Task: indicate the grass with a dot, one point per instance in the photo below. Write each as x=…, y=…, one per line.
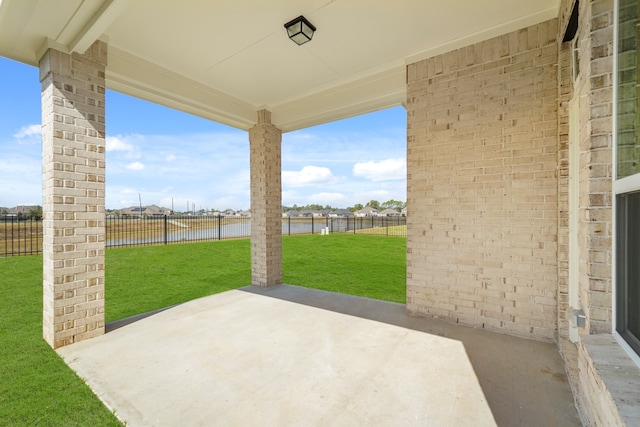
x=142, y=279
x=36, y=386
x=364, y=265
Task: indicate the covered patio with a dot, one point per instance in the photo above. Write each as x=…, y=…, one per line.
x=286, y=356
x=512, y=184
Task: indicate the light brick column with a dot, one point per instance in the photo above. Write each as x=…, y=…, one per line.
x=73, y=167
x=266, y=202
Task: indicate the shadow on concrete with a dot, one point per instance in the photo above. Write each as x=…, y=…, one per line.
x=117, y=324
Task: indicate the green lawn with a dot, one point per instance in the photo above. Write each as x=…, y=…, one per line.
x=37, y=388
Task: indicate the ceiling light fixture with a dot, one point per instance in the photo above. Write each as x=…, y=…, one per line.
x=300, y=30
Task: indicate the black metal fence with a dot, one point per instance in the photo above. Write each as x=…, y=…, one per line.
x=138, y=231
x=380, y=226
x=24, y=237
x=20, y=236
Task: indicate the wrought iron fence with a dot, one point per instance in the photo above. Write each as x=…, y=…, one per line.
x=20, y=236
x=24, y=237
x=138, y=231
x=380, y=226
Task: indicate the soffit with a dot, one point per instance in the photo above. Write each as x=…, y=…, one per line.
x=226, y=59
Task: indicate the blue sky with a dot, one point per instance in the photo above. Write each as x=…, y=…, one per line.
x=168, y=156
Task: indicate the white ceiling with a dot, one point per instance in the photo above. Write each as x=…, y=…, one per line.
x=226, y=59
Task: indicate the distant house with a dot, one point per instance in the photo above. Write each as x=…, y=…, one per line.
x=389, y=212
x=366, y=211
x=341, y=212
x=146, y=211
x=5, y=214
x=312, y=213
x=20, y=211
x=244, y=213
x=290, y=213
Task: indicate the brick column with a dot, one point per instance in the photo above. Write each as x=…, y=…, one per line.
x=73, y=166
x=266, y=202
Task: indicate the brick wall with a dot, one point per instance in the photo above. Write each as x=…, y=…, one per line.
x=73, y=147
x=565, y=93
x=595, y=89
x=607, y=383
x=266, y=202
x=482, y=155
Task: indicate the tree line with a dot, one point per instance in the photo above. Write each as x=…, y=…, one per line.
x=389, y=204
x=34, y=212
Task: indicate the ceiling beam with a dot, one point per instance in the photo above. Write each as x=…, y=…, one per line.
x=90, y=27
x=375, y=92
x=136, y=77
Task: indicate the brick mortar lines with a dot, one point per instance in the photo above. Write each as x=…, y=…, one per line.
x=266, y=186
x=446, y=296
x=73, y=153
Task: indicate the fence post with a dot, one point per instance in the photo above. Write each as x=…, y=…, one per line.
x=31, y=236
x=165, y=230
x=312, y=224
x=219, y=227
x=12, y=236
x=289, y=221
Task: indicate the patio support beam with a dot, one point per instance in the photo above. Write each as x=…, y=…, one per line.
x=73, y=168
x=266, y=202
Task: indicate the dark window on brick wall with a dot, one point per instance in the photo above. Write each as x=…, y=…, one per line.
x=628, y=269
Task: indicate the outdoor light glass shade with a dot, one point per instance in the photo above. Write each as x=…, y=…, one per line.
x=300, y=30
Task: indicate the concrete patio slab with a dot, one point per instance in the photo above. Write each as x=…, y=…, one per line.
x=287, y=356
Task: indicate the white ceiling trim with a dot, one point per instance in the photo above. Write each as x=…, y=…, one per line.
x=137, y=77
x=87, y=25
x=490, y=33
x=97, y=24
x=382, y=90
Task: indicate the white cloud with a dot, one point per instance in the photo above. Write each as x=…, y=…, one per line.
x=309, y=175
x=114, y=143
x=170, y=157
x=135, y=166
x=381, y=171
x=28, y=131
